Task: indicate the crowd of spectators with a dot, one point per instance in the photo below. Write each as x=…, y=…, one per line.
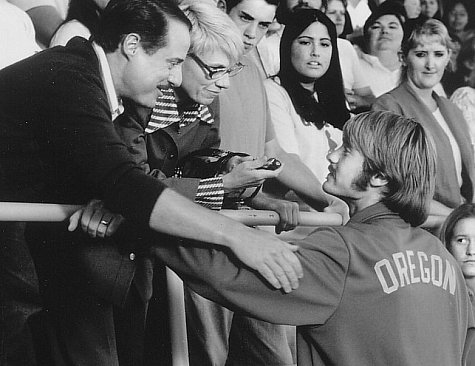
x=117, y=116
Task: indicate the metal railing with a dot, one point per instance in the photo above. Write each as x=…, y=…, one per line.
x=46, y=212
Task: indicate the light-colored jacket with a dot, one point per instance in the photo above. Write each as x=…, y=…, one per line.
x=404, y=100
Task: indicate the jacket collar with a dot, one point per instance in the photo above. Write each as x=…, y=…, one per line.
x=374, y=212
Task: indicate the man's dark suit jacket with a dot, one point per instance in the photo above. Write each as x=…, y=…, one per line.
x=58, y=144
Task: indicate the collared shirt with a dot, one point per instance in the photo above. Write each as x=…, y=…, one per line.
x=115, y=104
x=210, y=192
x=165, y=113
x=382, y=80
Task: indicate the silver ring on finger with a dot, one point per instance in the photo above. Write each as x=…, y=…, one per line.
x=105, y=222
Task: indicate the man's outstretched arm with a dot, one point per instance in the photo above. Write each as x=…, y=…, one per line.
x=274, y=259
x=175, y=215
x=218, y=276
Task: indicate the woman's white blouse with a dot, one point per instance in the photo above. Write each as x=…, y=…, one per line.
x=300, y=137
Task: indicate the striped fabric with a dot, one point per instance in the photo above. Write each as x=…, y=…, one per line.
x=210, y=193
x=165, y=113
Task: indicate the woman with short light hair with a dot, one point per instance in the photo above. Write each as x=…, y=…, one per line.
x=425, y=55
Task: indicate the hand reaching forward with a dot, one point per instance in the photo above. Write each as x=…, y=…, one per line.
x=95, y=220
x=246, y=174
x=274, y=259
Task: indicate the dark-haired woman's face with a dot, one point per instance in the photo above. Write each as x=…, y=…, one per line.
x=429, y=8
x=311, y=51
x=386, y=33
x=336, y=12
x=458, y=17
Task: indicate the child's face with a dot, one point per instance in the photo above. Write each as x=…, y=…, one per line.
x=462, y=245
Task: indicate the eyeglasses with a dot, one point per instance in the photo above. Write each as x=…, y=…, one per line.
x=218, y=73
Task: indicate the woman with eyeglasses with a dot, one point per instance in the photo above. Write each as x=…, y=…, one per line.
x=306, y=99
x=158, y=139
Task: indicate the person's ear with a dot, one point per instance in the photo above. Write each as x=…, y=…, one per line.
x=378, y=180
x=130, y=44
x=402, y=59
x=222, y=5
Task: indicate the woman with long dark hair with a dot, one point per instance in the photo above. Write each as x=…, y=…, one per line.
x=306, y=99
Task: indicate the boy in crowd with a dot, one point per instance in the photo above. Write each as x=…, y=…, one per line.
x=367, y=285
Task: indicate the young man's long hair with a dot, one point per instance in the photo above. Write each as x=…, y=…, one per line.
x=399, y=150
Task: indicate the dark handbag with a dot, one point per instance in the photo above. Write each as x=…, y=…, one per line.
x=209, y=163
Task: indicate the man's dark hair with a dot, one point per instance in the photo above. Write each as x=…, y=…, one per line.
x=148, y=18
x=232, y=3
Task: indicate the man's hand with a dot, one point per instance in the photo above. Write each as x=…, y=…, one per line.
x=246, y=174
x=95, y=220
x=274, y=259
x=288, y=211
x=289, y=215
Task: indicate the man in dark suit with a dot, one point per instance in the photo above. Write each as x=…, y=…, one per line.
x=58, y=144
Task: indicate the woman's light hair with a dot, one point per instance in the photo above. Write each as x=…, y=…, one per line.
x=400, y=150
x=212, y=30
x=429, y=31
